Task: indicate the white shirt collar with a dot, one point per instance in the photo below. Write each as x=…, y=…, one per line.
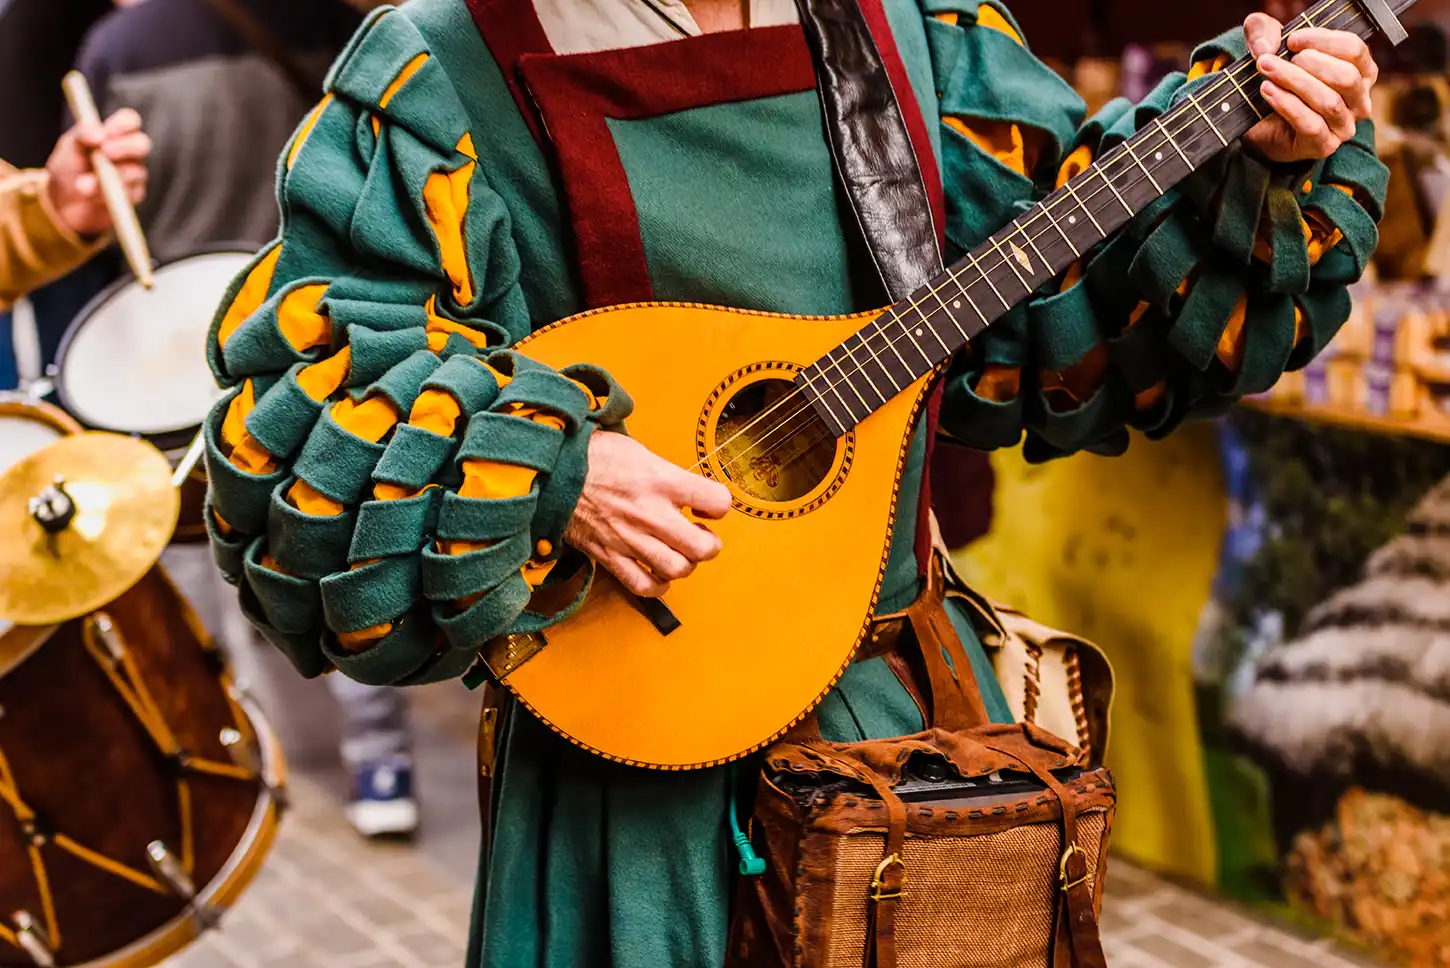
x=581, y=26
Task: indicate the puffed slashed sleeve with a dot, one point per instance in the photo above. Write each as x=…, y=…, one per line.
x=389, y=482
x=1208, y=295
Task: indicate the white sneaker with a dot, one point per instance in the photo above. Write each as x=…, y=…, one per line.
x=382, y=803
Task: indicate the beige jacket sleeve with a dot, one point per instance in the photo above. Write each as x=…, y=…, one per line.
x=34, y=247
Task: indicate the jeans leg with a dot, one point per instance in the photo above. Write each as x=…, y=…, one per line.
x=374, y=721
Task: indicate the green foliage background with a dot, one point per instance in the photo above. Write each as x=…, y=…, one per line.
x=1333, y=496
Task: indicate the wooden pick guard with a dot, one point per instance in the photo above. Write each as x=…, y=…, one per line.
x=770, y=625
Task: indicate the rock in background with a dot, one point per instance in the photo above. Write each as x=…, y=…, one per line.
x=1351, y=719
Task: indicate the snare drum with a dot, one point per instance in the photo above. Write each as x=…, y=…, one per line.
x=134, y=362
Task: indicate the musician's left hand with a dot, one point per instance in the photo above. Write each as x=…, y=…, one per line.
x=1317, y=97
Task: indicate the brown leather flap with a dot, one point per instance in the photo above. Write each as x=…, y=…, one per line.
x=1068, y=664
x=978, y=752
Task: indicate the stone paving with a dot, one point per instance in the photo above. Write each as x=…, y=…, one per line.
x=326, y=899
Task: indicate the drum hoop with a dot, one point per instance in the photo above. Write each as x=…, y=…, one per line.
x=165, y=439
x=240, y=868
x=20, y=642
x=20, y=405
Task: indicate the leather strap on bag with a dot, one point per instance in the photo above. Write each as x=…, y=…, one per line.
x=956, y=702
x=488, y=724
x=1077, y=942
x=889, y=881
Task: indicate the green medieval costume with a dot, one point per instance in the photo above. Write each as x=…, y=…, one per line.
x=461, y=185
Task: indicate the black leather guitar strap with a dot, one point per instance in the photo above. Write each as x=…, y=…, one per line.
x=878, y=168
x=870, y=144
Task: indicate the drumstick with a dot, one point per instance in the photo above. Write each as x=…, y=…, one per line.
x=123, y=216
x=193, y=454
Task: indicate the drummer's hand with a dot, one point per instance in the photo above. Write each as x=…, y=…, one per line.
x=629, y=515
x=75, y=192
x=1317, y=97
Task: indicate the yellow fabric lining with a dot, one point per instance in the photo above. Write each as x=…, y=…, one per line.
x=250, y=297
x=234, y=431
x=321, y=380
x=1075, y=164
x=371, y=420
x=300, y=322
x=1019, y=150
x=999, y=383
x=445, y=201
x=1230, y=344
x=438, y=411
x=439, y=325
x=407, y=72
x=318, y=381
x=362, y=638
x=1205, y=67
x=1000, y=139
x=306, y=130
x=989, y=17
x=1319, y=235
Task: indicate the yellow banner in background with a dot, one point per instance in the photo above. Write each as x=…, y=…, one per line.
x=1123, y=551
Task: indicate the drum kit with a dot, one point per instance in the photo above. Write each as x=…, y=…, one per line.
x=140, y=788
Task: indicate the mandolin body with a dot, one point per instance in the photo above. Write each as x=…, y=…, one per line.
x=768, y=627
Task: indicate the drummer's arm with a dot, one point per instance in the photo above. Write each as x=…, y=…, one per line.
x=35, y=245
x=53, y=219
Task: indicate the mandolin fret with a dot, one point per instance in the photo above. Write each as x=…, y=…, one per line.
x=919, y=333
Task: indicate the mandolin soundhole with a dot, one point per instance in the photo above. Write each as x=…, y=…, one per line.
x=772, y=449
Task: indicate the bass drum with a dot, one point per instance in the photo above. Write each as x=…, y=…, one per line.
x=139, y=789
x=134, y=362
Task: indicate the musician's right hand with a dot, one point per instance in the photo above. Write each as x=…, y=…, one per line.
x=75, y=192
x=629, y=516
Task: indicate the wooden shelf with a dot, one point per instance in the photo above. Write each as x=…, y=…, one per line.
x=1436, y=431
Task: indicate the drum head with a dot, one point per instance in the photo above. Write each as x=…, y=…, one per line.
x=134, y=361
x=27, y=426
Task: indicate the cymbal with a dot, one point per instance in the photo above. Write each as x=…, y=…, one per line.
x=105, y=526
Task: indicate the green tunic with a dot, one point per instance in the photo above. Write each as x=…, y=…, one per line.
x=596, y=864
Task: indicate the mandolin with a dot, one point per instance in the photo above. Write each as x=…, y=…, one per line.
x=807, y=421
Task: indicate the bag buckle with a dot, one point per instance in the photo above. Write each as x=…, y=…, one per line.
x=1063, y=876
x=878, y=879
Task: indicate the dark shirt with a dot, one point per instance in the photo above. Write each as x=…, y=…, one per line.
x=218, y=112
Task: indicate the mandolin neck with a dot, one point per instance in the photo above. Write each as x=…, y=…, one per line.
x=916, y=335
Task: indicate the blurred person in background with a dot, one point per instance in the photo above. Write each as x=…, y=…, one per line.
x=222, y=85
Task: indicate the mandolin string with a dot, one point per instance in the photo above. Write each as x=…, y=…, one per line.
x=1228, y=79
x=786, y=434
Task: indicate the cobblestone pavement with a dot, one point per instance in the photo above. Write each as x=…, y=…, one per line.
x=326, y=899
